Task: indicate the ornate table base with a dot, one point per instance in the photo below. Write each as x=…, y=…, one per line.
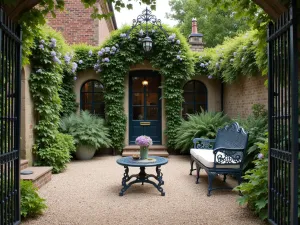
x=142, y=177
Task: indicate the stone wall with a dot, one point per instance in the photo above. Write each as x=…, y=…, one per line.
x=243, y=93
x=27, y=118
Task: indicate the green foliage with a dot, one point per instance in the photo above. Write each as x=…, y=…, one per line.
x=257, y=126
x=259, y=110
x=86, y=129
x=58, y=154
x=204, y=125
x=235, y=57
x=31, y=203
x=45, y=80
x=255, y=187
x=67, y=95
x=214, y=22
x=164, y=56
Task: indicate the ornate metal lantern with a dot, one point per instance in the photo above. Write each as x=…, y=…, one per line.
x=149, y=22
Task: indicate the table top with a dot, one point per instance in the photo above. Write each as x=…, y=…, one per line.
x=129, y=161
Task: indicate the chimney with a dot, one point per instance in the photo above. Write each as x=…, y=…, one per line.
x=194, y=26
x=195, y=38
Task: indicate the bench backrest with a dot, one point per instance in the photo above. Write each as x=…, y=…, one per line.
x=231, y=136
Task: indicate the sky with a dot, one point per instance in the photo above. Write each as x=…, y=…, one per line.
x=126, y=16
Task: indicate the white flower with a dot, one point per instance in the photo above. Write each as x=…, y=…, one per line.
x=90, y=53
x=243, y=59
x=178, y=42
x=141, y=32
x=200, y=57
x=80, y=61
x=244, y=47
x=234, y=54
x=39, y=71
x=231, y=60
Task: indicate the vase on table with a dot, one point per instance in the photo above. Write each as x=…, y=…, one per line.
x=144, y=152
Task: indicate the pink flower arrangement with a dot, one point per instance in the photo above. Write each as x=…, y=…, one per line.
x=143, y=140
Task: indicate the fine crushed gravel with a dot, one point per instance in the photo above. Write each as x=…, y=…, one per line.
x=88, y=193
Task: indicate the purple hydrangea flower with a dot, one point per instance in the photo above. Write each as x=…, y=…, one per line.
x=42, y=41
x=112, y=52
x=178, y=57
x=143, y=141
x=67, y=59
x=53, y=43
x=80, y=61
x=56, y=60
x=90, y=53
x=179, y=52
x=178, y=42
x=117, y=45
x=105, y=60
x=210, y=77
x=96, y=66
x=123, y=35
x=74, y=67
x=234, y=54
x=113, y=48
x=75, y=78
x=41, y=47
x=202, y=64
x=53, y=53
x=39, y=71
x=100, y=53
x=260, y=156
x=107, y=49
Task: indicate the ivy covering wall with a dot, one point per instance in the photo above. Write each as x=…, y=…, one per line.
x=171, y=55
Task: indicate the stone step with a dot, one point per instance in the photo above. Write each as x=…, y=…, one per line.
x=154, y=153
x=152, y=147
x=23, y=164
x=41, y=175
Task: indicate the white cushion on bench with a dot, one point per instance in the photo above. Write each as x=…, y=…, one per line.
x=206, y=157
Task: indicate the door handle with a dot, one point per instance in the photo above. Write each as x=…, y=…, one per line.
x=145, y=123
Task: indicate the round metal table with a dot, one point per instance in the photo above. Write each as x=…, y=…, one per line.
x=142, y=176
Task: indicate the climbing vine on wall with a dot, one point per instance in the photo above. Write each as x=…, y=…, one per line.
x=171, y=55
x=47, y=63
x=235, y=57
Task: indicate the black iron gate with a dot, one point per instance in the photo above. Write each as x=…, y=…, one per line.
x=10, y=69
x=283, y=119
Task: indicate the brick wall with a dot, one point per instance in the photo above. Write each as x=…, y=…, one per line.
x=243, y=93
x=76, y=24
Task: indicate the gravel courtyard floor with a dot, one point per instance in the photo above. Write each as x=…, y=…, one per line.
x=88, y=193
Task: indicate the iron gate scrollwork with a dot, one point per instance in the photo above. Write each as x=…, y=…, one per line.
x=10, y=69
x=283, y=119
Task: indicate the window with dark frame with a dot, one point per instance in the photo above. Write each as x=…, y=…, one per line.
x=92, y=97
x=195, y=98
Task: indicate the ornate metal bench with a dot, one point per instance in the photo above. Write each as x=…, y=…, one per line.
x=223, y=155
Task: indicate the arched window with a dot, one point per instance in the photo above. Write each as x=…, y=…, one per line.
x=195, y=97
x=92, y=97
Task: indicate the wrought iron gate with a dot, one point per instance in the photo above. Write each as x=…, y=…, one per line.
x=283, y=119
x=10, y=69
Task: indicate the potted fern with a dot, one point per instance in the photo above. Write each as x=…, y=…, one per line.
x=88, y=131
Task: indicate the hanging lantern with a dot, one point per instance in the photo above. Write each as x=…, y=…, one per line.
x=147, y=44
x=145, y=83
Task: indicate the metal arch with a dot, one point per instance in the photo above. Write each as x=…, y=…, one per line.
x=146, y=17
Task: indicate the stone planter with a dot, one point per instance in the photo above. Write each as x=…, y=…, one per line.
x=84, y=152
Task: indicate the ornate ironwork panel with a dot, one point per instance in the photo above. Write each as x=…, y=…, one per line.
x=283, y=119
x=10, y=69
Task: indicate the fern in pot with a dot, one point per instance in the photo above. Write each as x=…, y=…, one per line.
x=88, y=131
